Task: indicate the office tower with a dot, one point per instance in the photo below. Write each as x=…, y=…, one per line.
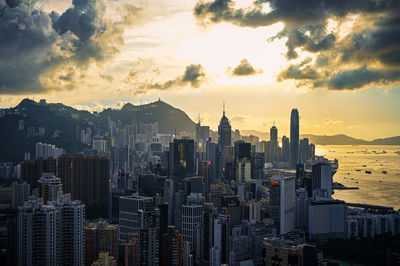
x=192, y=222
x=187, y=257
x=327, y=219
x=228, y=173
x=194, y=184
x=50, y=186
x=294, y=137
x=241, y=247
x=209, y=214
x=282, y=203
x=300, y=173
x=302, y=203
x=148, y=221
x=322, y=176
x=257, y=232
x=205, y=172
x=51, y=234
x=105, y=260
x=274, y=144
x=86, y=178
x=215, y=257
x=257, y=165
x=128, y=213
x=19, y=194
x=242, y=150
x=169, y=199
x=181, y=160
x=180, y=200
x=243, y=171
x=224, y=132
x=304, y=150
x=221, y=236
x=287, y=252
x=194, y=199
x=171, y=247
x=285, y=149
x=31, y=171
x=254, y=211
x=100, y=237
x=212, y=160
x=311, y=151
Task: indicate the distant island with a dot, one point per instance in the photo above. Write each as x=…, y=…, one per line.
x=339, y=139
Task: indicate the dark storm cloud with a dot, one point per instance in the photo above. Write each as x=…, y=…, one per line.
x=194, y=76
x=245, y=69
x=42, y=51
x=301, y=71
x=358, y=78
x=306, y=29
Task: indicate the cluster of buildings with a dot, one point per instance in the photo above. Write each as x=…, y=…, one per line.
x=192, y=199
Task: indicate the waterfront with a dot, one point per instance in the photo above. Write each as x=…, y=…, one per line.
x=376, y=188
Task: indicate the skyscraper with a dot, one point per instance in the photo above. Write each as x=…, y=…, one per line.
x=224, y=132
x=192, y=222
x=181, y=160
x=282, y=203
x=294, y=137
x=51, y=234
x=171, y=251
x=128, y=213
x=86, y=178
x=100, y=237
x=285, y=149
x=274, y=143
x=304, y=149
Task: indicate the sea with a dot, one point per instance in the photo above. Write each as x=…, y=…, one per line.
x=376, y=188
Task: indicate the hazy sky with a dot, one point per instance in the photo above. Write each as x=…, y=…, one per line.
x=336, y=61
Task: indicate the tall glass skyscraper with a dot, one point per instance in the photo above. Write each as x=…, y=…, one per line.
x=274, y=143
x=224, y=132
x=294, y=137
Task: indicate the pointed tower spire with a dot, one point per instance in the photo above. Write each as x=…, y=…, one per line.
x=199, y=118
x=223, y=108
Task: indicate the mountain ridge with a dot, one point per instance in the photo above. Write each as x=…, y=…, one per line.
x=61, y=121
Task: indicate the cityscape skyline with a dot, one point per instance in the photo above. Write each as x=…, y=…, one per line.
x=206, y=62
x=199, y=132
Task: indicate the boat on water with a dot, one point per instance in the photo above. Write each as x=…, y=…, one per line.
x=368, y=172
x=364, y=165
x=358, y=170
x=385, y=172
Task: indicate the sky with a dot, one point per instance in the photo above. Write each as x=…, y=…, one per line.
x=336, y=61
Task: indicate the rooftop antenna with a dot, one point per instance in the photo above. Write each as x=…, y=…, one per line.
x=199, y=118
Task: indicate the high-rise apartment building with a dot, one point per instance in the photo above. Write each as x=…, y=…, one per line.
x=100, y=237
x=51, y=234
x=86, y=178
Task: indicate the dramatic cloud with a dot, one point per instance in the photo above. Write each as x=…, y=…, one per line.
x=341, y=37
x=194, y=76
x=244, y=69
x=42, y=51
